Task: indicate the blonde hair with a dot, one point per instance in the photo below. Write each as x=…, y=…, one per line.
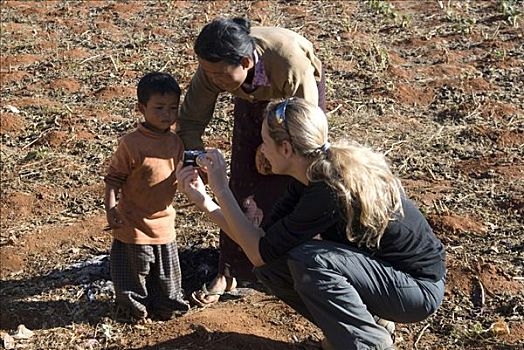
x=361, y=177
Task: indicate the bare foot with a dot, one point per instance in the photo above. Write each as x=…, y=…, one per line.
x=214, y=289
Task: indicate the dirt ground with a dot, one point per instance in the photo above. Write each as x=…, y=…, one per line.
x=437, y=86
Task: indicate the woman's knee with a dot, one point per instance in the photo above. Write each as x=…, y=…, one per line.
x=322, y=255
x=311, y=268
x=309, y=253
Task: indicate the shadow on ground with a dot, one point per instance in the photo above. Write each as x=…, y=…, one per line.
x=203, y=339
x=43, y=302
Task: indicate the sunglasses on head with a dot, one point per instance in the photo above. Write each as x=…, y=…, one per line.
x=280, y=113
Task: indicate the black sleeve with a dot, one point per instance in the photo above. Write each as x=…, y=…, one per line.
x=315, y=212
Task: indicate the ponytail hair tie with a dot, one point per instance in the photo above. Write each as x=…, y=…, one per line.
x=325, y=147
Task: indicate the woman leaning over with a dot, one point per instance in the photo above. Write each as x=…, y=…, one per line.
x=377, y=258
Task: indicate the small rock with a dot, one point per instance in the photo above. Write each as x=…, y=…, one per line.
x=90, y=343
x=494, y=249
x=12, y=109
x=7, y=341
x=23, y=333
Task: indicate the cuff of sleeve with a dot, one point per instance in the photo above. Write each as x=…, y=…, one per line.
x=114, y=180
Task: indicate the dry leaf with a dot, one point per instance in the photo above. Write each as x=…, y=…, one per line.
x=499, y=328
x=7, y=341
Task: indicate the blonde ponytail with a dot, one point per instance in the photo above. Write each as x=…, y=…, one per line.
x=367, y=188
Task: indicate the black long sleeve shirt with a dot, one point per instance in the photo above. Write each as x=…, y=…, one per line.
x=408, y=243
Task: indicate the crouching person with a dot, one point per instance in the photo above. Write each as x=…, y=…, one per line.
x=377, y=261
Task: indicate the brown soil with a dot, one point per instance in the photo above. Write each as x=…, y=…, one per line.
x=438, y=89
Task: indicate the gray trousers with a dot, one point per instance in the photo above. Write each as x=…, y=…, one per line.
x=340, y=288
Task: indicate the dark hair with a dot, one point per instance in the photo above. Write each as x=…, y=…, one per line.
x=225, y=40
x=156, y=83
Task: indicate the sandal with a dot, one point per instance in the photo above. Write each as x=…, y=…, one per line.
x=199, y=296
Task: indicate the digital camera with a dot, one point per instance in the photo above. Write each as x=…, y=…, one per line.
x=190, y=157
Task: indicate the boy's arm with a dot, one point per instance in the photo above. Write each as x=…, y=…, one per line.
x=118, y=171
x=110, y=201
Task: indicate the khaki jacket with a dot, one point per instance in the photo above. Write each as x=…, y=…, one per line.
x=290, y=65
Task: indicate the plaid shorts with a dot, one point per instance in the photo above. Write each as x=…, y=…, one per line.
x=147, y=279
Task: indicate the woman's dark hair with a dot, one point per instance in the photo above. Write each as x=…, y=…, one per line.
x=225, y=40
x=156, y=83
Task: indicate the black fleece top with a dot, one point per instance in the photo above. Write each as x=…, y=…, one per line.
x=408, y=243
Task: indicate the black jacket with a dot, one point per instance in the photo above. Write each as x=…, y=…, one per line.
x=408, y=243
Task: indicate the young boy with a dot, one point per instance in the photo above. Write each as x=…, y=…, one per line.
x=140, y=186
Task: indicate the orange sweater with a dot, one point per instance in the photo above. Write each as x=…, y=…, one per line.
x=143, y=167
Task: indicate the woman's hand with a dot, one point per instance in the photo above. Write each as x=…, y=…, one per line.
x=214, y=165
x=189, y=183
x=253, y=213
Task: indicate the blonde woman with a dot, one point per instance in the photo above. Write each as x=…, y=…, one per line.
x=377, y=258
